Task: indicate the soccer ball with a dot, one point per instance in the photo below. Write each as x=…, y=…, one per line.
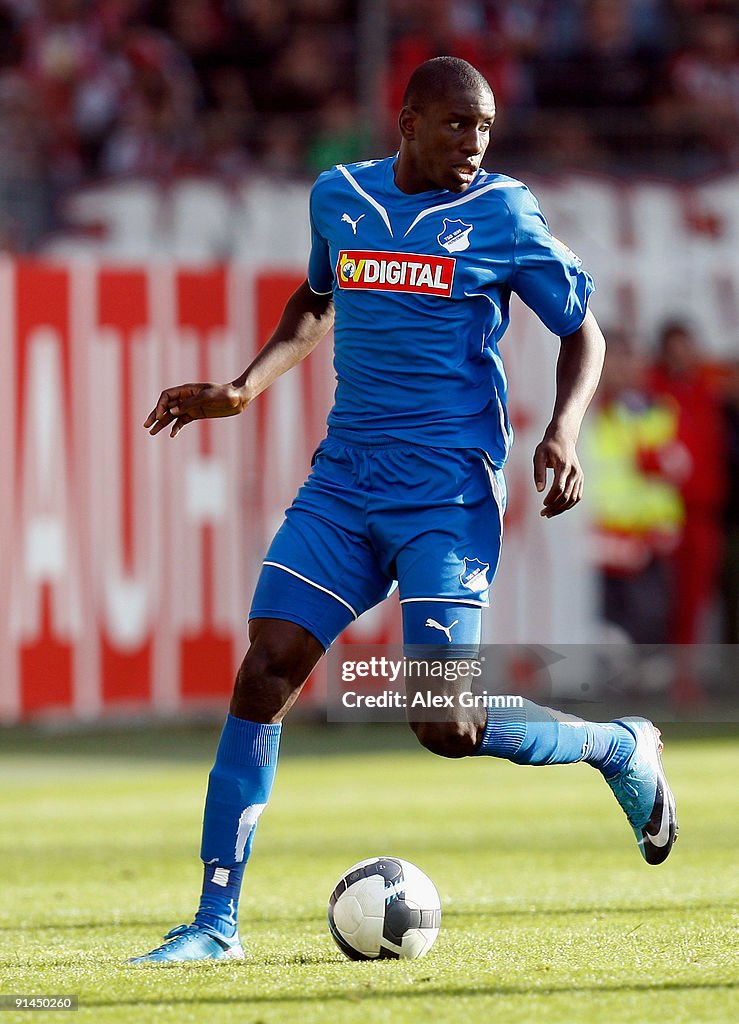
x=384, y=909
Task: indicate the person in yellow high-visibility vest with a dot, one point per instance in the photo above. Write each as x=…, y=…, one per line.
x=636, y=464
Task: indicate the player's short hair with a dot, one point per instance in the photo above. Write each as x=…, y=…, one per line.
x=435, y=79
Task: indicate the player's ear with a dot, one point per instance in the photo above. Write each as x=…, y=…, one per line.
x=407, y=122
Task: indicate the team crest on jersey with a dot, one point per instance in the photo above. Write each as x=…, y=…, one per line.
x=455, y=235
x=395, y=272
x=474, y=576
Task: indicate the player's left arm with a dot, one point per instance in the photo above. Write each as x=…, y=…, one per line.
x=579, y=367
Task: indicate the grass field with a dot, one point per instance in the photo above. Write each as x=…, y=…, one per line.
x=549, y=913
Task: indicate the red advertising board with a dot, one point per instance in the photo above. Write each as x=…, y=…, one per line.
x=129, y=561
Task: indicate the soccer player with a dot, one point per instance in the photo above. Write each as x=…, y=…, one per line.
x=415, y=257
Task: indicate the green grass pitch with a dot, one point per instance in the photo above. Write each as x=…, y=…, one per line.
x=549, y=913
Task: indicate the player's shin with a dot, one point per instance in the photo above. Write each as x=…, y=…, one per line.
x=531, y=734
x=239, y=786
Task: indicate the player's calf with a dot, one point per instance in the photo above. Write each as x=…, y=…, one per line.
x=280, y=658
x=448, y=739
x=439, y=712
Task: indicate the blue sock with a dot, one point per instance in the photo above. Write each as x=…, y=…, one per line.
x=239, y=786
x=537, y=735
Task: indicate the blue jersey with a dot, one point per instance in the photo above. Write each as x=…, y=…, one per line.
x=421, y=284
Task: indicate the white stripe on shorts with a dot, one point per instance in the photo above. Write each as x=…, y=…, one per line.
x=312, y=583
x=444, y=600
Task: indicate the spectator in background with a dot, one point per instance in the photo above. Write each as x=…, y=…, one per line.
x=679, y=375
x=700, y=99
x=25, y=212
x=227, y=124
x=635, y=461
x=339, y=135
x=74, y=61
x=609, y=66
x=534, y=28
x=281, y=148
x=62, y=53
x=567, y=143
x=326, y=14
x=730, y=575
x=258, y=33
x=24, y=141
x=281, y=47
x=158, y=133
x=226, y=44
x=301, y=79
x=117, y=96
x=200, y=30
x=610, y=72
x=431, y=28
x=11, y=40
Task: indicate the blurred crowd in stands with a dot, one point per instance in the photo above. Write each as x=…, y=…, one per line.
x=92, y=88
x=663, y=488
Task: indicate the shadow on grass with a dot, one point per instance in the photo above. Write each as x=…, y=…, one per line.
x=419, y=990
x=197, y=742
x=521, y=913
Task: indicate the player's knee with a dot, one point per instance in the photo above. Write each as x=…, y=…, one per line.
x=447, y=739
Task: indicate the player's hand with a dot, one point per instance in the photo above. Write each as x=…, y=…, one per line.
x=181, y=405
x=557, y=452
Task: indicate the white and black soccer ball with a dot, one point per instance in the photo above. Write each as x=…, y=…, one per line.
x=384, y=908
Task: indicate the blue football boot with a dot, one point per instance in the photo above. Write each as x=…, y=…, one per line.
x=641, y=789
x=192, y=942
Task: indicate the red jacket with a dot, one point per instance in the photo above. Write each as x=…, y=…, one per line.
x=701, y=430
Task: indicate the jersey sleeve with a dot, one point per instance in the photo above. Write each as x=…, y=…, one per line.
x=320, y=275
x=546, y=274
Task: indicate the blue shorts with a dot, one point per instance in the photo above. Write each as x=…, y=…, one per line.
x=370, y=515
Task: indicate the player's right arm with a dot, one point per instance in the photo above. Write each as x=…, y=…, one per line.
x=306, y=319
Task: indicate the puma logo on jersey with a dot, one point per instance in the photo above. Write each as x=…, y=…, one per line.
x=395, y=272
x=446, y=630
x=346, y=219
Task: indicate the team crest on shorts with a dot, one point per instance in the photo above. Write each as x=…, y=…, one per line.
x=474, y=576
x=455, y=235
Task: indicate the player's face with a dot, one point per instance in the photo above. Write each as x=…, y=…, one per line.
x=445, y=142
